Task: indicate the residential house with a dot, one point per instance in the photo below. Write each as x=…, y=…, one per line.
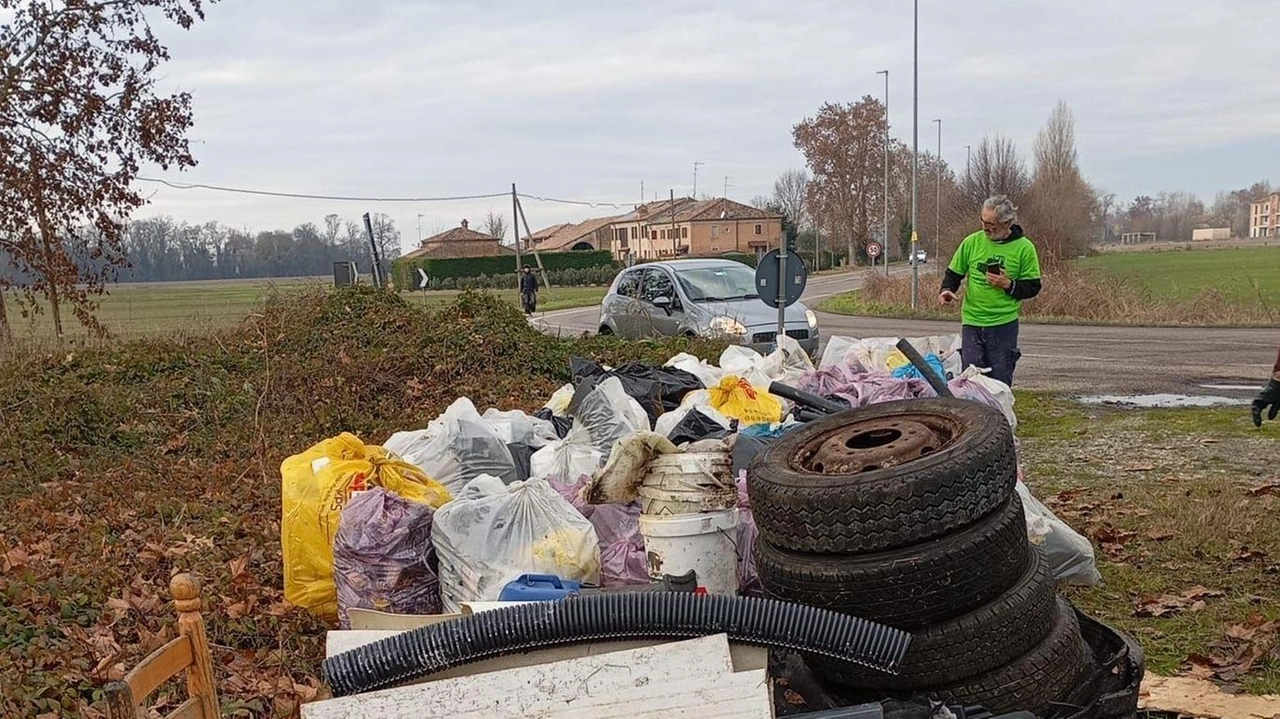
x=461, y=241
x=593, y=234
x=694, y=228
x=1264, y=217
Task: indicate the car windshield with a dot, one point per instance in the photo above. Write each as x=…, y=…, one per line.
x=721, y=283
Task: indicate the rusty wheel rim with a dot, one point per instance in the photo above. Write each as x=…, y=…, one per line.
x=873, y=444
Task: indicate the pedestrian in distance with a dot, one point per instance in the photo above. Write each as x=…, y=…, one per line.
x=528, y=290
x=999, y=269
x=1268, y=397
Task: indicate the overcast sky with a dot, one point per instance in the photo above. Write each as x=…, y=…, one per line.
x=586, y=100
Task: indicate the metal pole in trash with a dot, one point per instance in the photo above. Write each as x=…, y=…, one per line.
x=373, y=244
x=782, y=286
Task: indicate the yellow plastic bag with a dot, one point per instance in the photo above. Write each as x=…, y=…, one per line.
x=736, y=398
x=315, y=486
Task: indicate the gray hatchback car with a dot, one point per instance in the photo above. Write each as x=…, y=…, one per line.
x=700, y=298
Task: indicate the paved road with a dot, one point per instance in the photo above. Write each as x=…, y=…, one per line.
x=1065, y=358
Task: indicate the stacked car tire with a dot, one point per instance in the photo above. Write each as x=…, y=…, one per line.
x=905, y=513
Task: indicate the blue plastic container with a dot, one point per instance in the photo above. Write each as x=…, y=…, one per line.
x=539, y=588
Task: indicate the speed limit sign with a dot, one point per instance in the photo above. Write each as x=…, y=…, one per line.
x=873, y=250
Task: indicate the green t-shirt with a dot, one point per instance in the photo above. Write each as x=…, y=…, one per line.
x=986, y=305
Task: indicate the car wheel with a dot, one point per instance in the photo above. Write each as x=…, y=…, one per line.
x=991, y=636
x=1035, y=682
x=884, y=476
x=907, y=587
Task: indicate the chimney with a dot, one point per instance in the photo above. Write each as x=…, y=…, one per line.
x=464, y=224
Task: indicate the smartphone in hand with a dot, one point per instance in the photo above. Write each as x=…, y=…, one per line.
x=995, y=268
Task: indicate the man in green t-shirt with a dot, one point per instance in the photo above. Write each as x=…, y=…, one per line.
x=1000, y=269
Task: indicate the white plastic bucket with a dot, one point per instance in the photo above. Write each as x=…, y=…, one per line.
x=705, y=543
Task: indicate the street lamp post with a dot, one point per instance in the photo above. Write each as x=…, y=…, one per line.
x=915, y=153
x=885, y=249
x=937, y=206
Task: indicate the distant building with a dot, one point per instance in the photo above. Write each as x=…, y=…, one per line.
x=1264, y=217
x=461, y=241
x=665, y=229
x=1205, y=234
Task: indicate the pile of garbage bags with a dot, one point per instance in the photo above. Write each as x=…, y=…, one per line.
x=449, y=514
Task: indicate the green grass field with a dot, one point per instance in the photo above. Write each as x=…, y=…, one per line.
x=1245, y=276
x=148, y=309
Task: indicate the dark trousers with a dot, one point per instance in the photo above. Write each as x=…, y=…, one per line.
x=529, y=301
x=994, y=348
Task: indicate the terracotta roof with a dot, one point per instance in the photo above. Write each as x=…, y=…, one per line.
x=570, y=235
x=459, y=234
x=463, y=248
x=544, y=233
x=690, y=210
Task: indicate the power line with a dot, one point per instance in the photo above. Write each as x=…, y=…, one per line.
x=348, y=198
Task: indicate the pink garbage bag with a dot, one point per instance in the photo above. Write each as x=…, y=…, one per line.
x=383, y=557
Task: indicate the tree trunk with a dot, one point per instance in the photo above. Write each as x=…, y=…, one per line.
x=50, y=278
x=6, y=337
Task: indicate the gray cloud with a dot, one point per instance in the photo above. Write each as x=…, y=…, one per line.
x=587, y=100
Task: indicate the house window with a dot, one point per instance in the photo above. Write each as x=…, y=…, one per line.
x=663, y=234
x=653, y=234
x=684, y=233
x=715, y=231
x=759, y=229
x=635, y=233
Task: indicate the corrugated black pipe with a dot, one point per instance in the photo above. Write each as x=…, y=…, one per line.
x=806, y=399
x=606, y=617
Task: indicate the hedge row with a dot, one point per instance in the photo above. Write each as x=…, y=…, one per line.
x=405, y=272
x=584, y=277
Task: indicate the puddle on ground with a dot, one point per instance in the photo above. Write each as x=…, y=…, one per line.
x=1147, y=401
x=1232, y=387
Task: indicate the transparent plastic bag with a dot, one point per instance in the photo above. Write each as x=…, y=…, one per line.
x=383, y=558
x=491, y=534
x=708, y=373
x=516, y=427
x=606, y=414
x=880, y=354
x=749, y=584
x=786, y=364
x=622, y=558
x=456, y=447
x=1070, y=554
x=974, y=385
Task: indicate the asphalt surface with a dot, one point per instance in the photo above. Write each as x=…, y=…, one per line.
x=1074, y=359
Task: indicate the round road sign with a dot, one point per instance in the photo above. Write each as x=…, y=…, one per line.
x=873, y=249
x=797, y=275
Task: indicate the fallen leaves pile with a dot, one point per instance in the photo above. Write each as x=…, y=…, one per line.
x=122, y=466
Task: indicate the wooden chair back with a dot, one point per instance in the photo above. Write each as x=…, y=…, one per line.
x=188, y=654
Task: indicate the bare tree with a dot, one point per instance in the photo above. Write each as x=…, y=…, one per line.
x=1059, y=204
x=81, y=116
x=996, y=169
x=844, y=148
x=790, y=192
x=495, y=225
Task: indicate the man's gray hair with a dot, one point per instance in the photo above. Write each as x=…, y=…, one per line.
x=1003, y=207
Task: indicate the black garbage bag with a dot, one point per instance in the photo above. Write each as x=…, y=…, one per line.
x=657, y=389
x=745, y=449
x=697, y=426
x=523, y=455
x=562, y=424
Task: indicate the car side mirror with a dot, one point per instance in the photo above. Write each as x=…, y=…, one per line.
x=663, y=303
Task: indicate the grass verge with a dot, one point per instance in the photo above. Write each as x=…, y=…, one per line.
x=1223, y=288
x=1181, y=506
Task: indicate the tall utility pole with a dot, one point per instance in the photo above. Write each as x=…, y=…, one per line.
x=885, y=249
x=915, y=154
x=696, y=165
x=968, y=163
x=937, y=203
x=515, y=209
x=726, y=187
x=419, y=228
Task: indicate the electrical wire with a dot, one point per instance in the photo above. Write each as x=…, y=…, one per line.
x=349, y=198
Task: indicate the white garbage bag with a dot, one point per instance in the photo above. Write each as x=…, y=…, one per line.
x=873, y=354
x=706, y=373
x=568, y=459
x=455, y=448
x=516, y=427
x=786, y=364
x=608, y=415
x=559, y=402
x=1070, y=554
x=490, y=534
x=998, y=390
